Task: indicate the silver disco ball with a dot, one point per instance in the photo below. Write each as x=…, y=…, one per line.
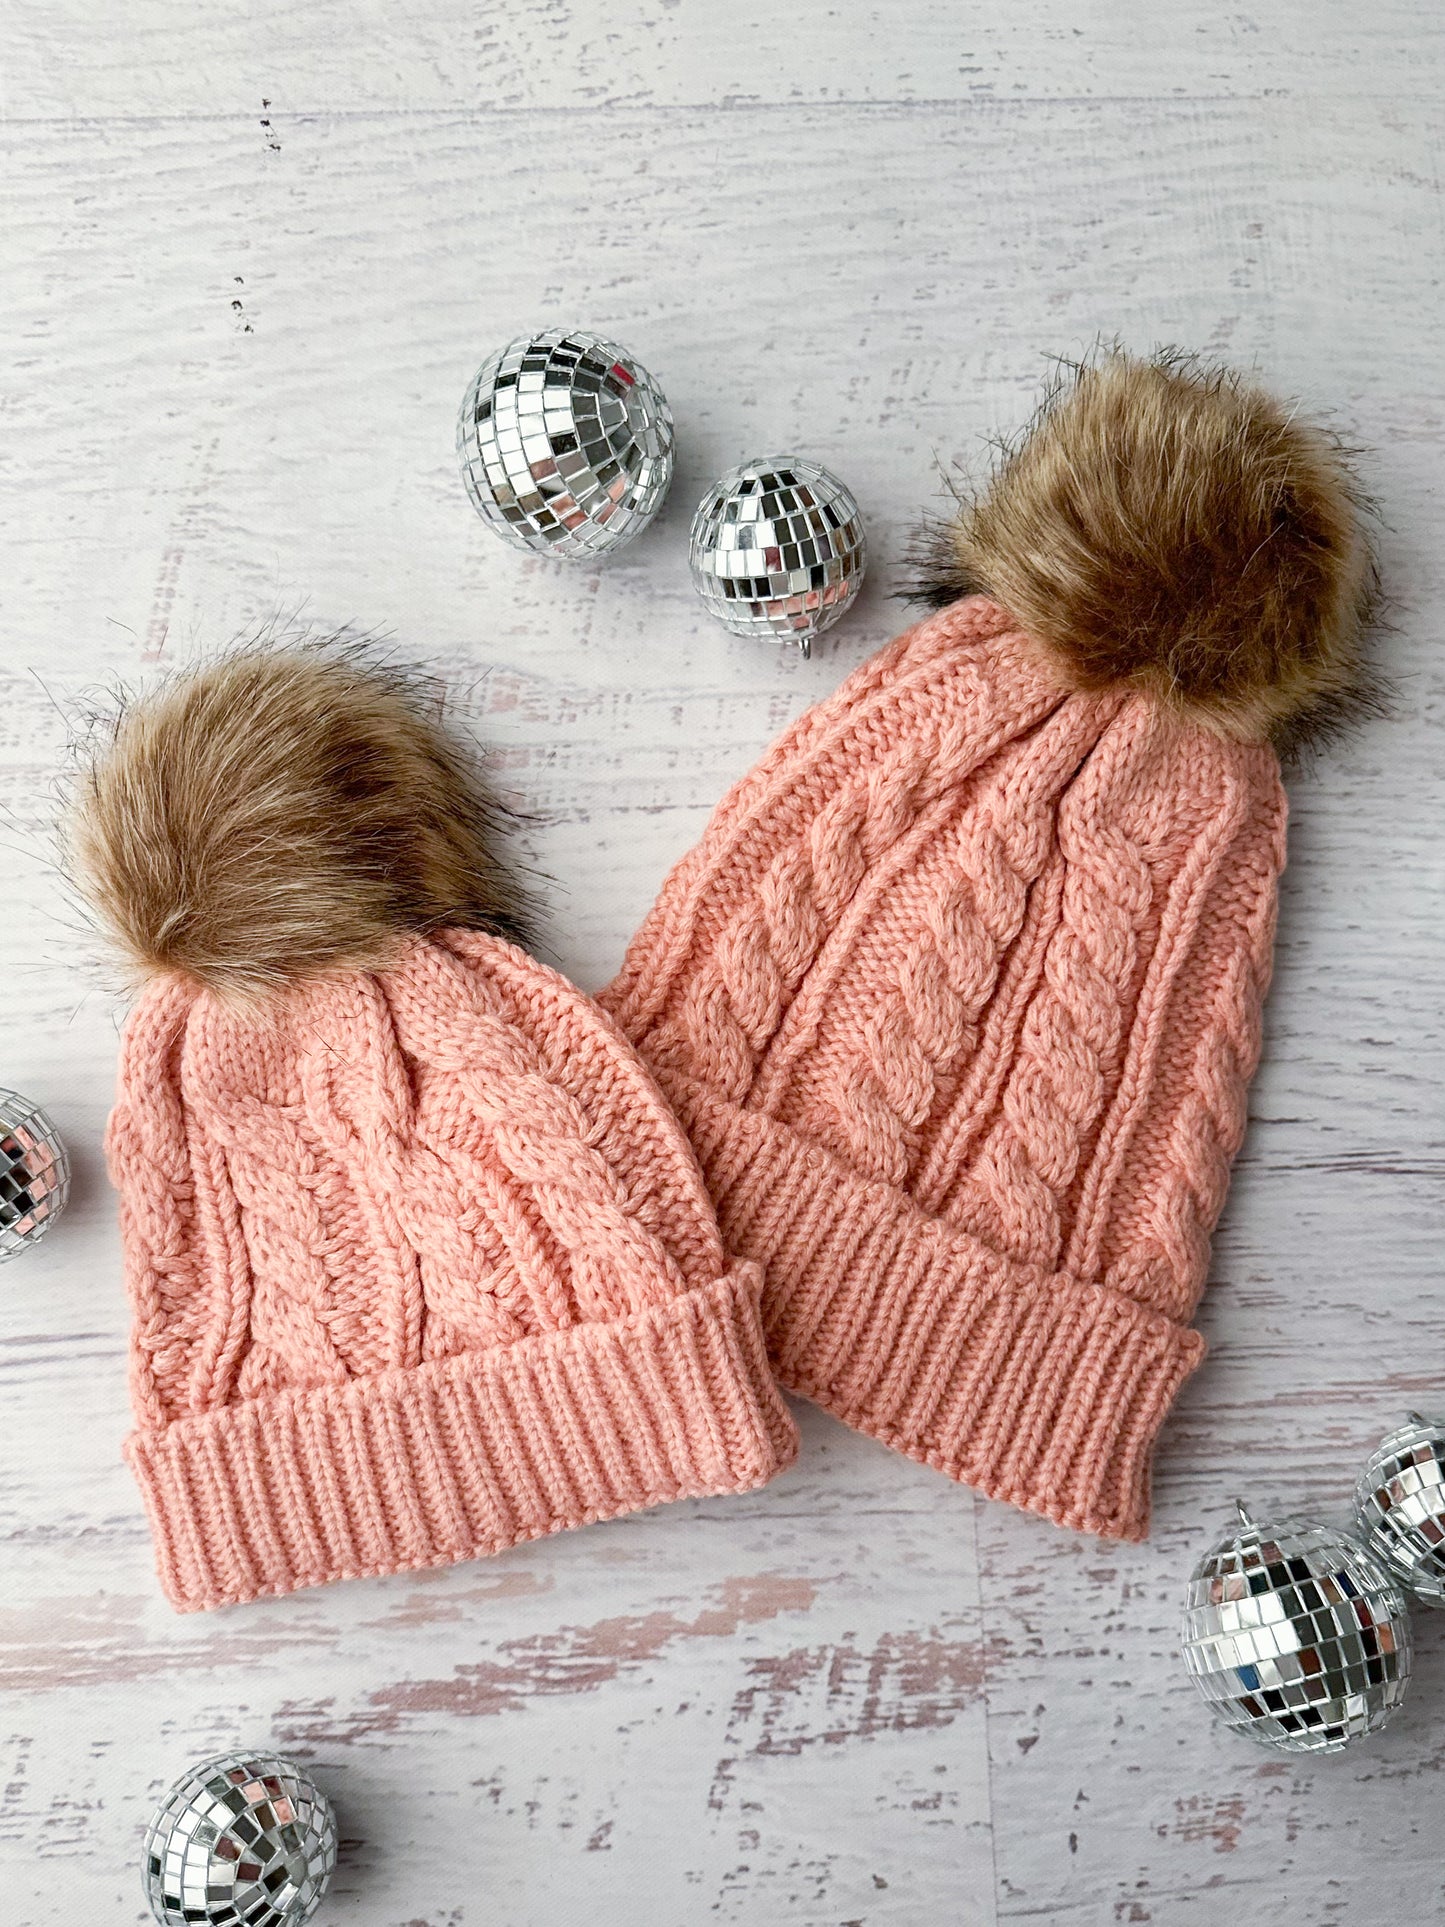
x=34, y=1174
x=1400, y=1506
x=246, y=1840
x=565, y=444
x=777, y=549
x=1296, y=1635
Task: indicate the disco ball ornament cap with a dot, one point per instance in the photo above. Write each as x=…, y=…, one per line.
x=244, y=1840
x=34, y=1174
x=1400, y=1506
x=777, y=549
x=565, y=444
x=1296, y=1635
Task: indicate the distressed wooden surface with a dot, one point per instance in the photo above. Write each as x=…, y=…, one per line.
x=251, y=257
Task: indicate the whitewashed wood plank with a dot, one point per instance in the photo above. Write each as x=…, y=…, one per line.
x=270, y=60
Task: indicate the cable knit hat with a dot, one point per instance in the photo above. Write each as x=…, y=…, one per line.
x=959, y=996
x=419, y=1261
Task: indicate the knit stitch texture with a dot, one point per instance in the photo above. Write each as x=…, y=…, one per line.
x=420, y=1266
x=959, y=998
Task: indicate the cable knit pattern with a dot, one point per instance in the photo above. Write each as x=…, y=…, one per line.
x=179, y=1331
x=901, y=1011
x=1030, y=1157
x=420, y=1266
x=959, y=998
x=730, y=1010
x=874, y=1098
x=866, y=783
x=1163, y=1247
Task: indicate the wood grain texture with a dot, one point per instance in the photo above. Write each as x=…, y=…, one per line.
x=235, y=336
x=173, y=57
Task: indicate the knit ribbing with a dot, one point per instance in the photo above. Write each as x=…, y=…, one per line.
x=1033, y=1386
x=466, y=1456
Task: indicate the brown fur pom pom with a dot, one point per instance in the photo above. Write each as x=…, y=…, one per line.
x=280, y=813
x=1169, y=527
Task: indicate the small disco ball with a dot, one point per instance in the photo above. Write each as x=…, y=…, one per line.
x=34, y=1174
x=1400, y=1506
x=777, y=549
x=1296, y=1635
x=565, y=444
x=246, y=1840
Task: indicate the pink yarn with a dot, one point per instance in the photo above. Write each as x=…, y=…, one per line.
x=420, y=1266
x=959, y=999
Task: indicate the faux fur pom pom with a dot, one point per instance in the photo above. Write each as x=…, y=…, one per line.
x=281, y=813
x=1169, y=527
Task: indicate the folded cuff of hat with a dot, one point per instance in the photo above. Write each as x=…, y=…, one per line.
x=1039, y=1388
x=465, y=1456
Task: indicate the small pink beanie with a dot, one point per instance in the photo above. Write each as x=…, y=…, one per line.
x=959, y=996
x=419, y=1261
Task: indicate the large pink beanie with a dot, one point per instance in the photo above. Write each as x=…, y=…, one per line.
x=420, y=1264
x=959, y=996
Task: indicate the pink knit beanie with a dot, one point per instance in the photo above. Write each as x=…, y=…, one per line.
x=420, y=1263
x=959, y=996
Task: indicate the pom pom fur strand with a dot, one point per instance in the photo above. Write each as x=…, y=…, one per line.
x=280, y=813
x=1167, y=526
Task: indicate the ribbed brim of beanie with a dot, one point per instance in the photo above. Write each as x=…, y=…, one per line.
x=462, y=1457
x=1035, y=1387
